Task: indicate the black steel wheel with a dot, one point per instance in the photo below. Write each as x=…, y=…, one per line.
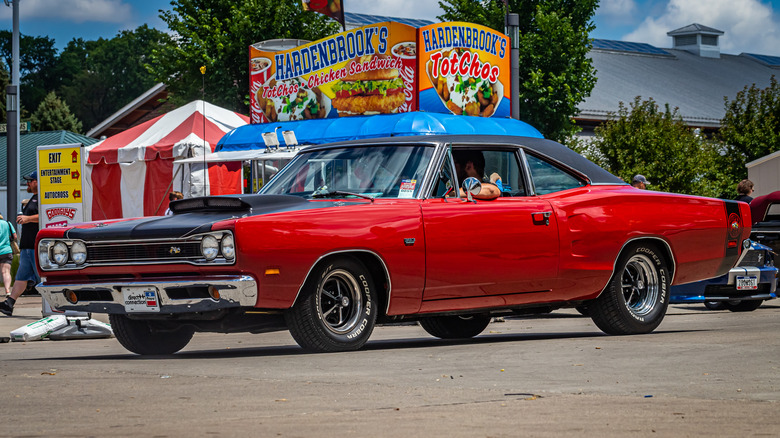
x=143, y=337
x=455, y=327
x=743, y=305
x=336, y=309
x=636, y=298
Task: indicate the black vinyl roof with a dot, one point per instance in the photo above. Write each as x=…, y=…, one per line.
x=540, y=146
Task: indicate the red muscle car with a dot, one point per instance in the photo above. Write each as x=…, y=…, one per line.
x=353, y=234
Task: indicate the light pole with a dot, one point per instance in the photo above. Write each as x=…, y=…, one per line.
x=512, y=23
x=12, y=110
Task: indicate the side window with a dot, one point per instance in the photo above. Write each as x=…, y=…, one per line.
x=548, y=178
x=504, y=167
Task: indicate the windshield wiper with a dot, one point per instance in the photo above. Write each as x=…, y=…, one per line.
x=340, y=193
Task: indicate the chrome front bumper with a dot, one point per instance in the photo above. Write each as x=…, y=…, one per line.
x=174, y=296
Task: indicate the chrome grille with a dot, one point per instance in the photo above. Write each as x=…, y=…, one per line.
x=147, y=251
x=754, y=258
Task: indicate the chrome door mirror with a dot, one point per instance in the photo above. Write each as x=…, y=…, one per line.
x=471, y=186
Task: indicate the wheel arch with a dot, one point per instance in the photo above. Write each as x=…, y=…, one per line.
x=371, y=260
x=658, y=242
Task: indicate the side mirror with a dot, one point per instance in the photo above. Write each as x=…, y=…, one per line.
x=471, y=186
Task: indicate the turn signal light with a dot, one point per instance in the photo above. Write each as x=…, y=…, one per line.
x=214, y=293
x=71, y=296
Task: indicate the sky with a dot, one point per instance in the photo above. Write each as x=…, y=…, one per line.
x=751, y=26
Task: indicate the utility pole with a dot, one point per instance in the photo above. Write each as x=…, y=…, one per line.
x=512, y=23
x=12, y=109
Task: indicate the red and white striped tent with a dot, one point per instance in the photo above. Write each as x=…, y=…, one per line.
x=131, y=173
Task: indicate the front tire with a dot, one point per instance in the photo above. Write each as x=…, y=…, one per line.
x=636, y=297
x=336, y=310
x=455, y=327
x=141, y=337
x=743, y=305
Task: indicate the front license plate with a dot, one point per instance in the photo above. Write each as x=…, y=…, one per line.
x=141, y=299
x=747, y=283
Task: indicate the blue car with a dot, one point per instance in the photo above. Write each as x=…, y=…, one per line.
x=742, y=289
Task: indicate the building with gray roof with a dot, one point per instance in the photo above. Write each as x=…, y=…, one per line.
x=693, y=76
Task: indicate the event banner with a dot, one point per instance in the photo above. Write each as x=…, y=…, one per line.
x=366, y=70
x=464, y=69
x=60, y=173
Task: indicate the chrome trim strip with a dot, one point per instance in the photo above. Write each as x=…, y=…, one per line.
x=384, y=266
x=234, y=290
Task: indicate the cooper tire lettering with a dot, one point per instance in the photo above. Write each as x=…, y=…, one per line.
x=636, y=298
x=335, y=309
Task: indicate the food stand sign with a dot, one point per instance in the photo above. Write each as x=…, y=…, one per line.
x=464, y=69
x=60, y=176
x=366, y=70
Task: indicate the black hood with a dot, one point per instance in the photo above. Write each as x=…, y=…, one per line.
x=192, y=216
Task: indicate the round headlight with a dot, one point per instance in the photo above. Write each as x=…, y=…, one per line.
x=43, y=254
x=209, y=247
x=78, y=252
x=59, y=253
x=228, y=247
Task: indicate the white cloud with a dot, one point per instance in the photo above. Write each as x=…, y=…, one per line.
x=74, y=11
x=617, y=8
x=749, y=25
x=421, y=9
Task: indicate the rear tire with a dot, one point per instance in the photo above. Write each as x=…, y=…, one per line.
x=455, y=327
x=336, y=309
x=141, y=337
x=636, y=296
x=743, y=305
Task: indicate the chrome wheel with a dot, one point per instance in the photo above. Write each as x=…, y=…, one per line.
x=636, y=297
x=640, y=284
x=339, y=301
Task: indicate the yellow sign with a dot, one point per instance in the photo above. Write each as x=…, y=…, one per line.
x=59, y=175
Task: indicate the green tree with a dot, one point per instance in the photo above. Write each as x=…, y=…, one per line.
x=53, y=115
x=38, y=67
x=217, y=34
x=658, y=144
x=555, y=72
x=751, y=127
x=99, y=77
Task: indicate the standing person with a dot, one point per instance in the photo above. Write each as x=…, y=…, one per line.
x=744, y=190
x=7, y=235
x=640, y=182
x=173, y=196
x=26, y=271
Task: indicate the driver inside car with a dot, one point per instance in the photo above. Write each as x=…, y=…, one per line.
x=470, y=163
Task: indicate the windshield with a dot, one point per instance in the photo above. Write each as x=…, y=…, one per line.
x=376, y=171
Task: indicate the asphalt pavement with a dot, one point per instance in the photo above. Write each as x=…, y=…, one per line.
x=701, y=373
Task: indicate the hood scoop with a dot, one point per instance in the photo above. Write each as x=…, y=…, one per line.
x=210, y=203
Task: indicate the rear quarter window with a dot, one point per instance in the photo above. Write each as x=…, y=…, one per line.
x=547, y=178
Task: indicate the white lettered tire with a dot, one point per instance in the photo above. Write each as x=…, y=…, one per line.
x=336, y=310
x=636, y=298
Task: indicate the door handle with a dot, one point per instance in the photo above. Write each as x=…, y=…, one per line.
x=541, y=217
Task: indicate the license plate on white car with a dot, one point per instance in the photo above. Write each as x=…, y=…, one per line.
x=747, y=283
x=141, y=299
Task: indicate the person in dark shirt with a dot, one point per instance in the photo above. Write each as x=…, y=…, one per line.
x=744, y=190
x=26, y=271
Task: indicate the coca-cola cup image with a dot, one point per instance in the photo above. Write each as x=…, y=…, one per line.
x=259, y=69
x=407, y=52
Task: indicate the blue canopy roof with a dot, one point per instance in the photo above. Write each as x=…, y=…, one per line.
x=319, y=131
